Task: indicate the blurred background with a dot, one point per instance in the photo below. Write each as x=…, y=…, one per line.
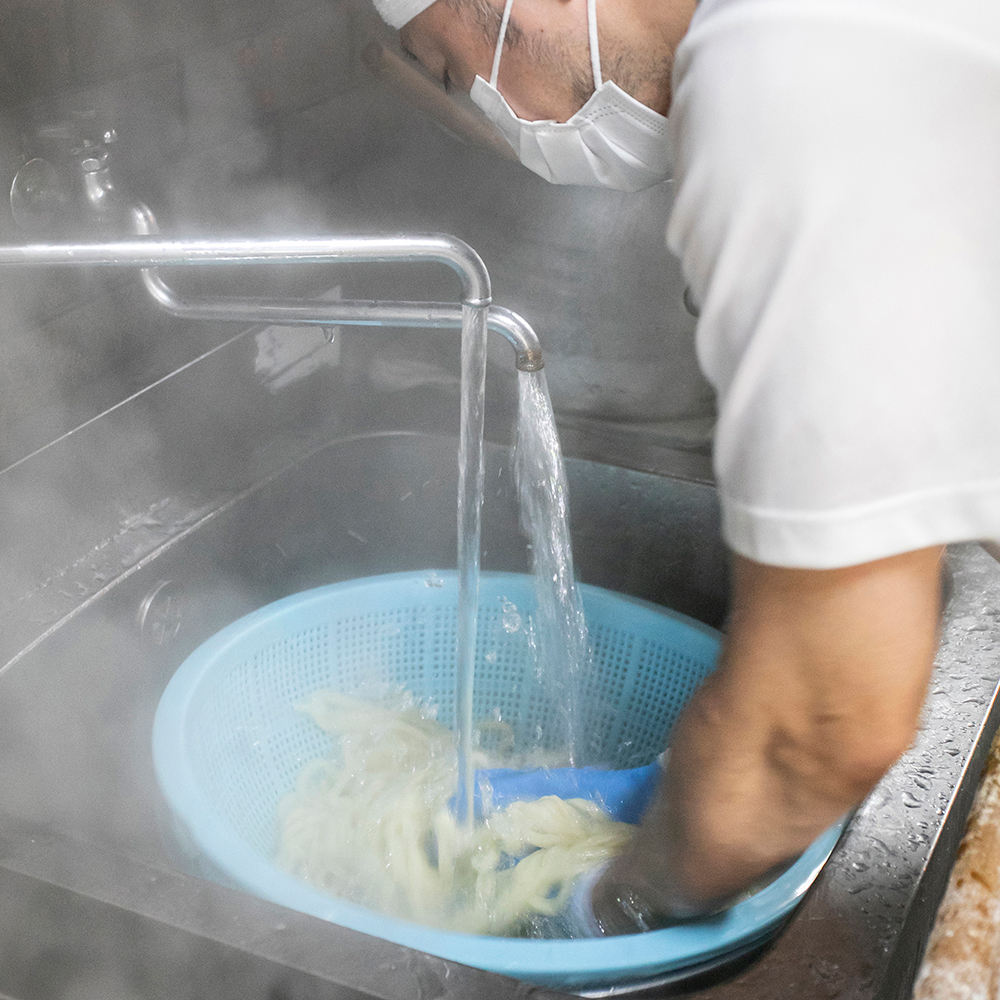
x=259, y=117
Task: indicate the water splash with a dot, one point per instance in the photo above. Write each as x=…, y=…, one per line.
x=511, y=619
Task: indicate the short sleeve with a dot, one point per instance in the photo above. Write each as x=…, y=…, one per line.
x=838, y=219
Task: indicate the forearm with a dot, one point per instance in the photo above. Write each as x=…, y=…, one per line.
x=818, y=692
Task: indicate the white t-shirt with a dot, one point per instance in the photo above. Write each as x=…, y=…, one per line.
x=838, y=219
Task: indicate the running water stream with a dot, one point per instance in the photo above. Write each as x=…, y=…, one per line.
x=470, y=504
x=559, y=629
x=371, y=822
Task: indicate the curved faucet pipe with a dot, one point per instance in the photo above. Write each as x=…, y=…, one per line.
x=326, y=313
x=449, y=250
x=520, y=334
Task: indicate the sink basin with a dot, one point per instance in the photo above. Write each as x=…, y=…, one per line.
x=75, y=723
x=89, y=888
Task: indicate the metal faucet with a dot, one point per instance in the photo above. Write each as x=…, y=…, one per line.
x=41, y=192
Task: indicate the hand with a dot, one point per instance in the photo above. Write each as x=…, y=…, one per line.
x=612, y=901
x=818, y=692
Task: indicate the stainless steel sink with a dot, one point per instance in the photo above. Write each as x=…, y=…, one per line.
x=75, y=715
x=93, y=903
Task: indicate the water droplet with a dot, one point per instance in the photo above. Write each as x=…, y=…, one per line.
x=433, y=580
x=911, y=801
x=511, y=620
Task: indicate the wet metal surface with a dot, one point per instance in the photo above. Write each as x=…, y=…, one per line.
x=90, y=888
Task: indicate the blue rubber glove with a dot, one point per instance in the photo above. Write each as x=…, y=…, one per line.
x=624, y=795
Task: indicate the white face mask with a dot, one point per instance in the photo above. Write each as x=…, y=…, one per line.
x=613, y=141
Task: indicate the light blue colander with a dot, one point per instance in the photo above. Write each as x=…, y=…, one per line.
x=228, y=744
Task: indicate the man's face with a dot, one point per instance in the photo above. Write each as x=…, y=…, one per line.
x=545, y=69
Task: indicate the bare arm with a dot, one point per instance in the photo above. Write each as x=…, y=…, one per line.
x=818, y=692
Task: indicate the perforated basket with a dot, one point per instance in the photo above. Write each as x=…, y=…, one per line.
x=228, y=744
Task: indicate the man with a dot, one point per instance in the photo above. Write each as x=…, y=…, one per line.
x=837, y=216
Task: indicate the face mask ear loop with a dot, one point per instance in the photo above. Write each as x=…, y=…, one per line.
x=595, y=55
x=504, y=21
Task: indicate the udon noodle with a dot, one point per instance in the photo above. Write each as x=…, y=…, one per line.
x=372, y=824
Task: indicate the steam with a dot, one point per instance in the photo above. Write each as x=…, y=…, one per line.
x=121, y=429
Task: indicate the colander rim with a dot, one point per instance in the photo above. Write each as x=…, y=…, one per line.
x=581, y=963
